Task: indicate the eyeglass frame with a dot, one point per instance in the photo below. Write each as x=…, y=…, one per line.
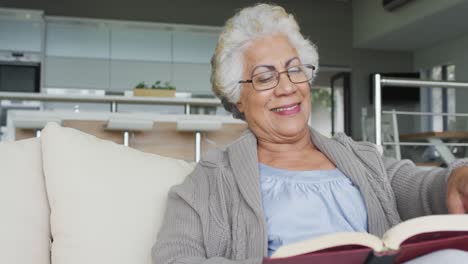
x=278, y=76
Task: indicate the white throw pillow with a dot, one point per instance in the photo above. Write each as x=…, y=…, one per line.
x=107, y=201
x=24, y=211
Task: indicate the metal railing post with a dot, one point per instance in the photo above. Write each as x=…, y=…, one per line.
x=197, y=146
x=378, y=109
x=187, y=109
x=126, y=138
x=396, y=135
x=113, y=107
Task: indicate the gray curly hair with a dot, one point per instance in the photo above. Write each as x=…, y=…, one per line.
x=239, y=31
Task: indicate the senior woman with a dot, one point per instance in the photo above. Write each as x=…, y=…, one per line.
x=280, y=181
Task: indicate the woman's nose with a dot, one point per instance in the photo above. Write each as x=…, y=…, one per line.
x=285, y=86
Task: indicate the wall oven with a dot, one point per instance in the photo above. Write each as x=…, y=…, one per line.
x=19, y=72
x=20, y=76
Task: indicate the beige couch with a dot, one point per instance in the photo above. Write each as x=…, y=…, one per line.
x=69, y=197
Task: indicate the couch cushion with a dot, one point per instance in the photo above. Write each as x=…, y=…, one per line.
x=107, y=200
x=24, y=228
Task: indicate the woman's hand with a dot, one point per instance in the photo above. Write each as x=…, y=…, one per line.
x=457, y=191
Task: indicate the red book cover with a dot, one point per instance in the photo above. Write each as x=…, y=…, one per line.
x=429, y=242
x=354, y=254
x=405, y=241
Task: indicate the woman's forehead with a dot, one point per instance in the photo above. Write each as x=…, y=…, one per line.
x=273, y=50
x=290, y=62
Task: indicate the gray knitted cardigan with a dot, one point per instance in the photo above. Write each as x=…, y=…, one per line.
x=216, y=215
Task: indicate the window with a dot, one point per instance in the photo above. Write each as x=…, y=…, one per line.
x=438, y=99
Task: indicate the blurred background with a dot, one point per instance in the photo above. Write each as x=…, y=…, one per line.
x=69, y=50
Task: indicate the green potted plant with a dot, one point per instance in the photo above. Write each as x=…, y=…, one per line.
x=157, y=89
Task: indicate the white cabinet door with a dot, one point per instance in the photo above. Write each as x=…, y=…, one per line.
x=20, y=35
x=194, y=47
x=193, y=78
x=78, y=39
x=77, y=73
x=140, y=44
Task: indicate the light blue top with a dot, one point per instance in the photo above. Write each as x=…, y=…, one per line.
x=300, y=205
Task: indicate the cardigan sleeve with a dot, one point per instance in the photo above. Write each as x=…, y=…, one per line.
x=180, y=239
x=418, y=191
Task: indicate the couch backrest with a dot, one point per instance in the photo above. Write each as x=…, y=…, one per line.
x=24, y=211
x=107, y=201
x=99, y=201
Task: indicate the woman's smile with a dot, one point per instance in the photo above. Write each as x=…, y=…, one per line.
x=287, y=110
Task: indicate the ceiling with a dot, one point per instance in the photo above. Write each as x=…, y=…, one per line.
x=200, y=12
x=427, y=31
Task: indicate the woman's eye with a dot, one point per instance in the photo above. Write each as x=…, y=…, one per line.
x=294, y=70
x=263, y=78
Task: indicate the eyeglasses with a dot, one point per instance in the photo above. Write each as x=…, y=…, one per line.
x=269, y=79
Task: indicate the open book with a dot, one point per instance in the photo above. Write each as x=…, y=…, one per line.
x=405, y=241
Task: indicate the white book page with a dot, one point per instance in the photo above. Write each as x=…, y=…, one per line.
x=327, y=241
x=399, y=233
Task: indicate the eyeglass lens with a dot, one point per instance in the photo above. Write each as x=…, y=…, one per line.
x=269, y=79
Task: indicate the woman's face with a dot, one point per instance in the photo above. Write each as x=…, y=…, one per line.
x=279, y=114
